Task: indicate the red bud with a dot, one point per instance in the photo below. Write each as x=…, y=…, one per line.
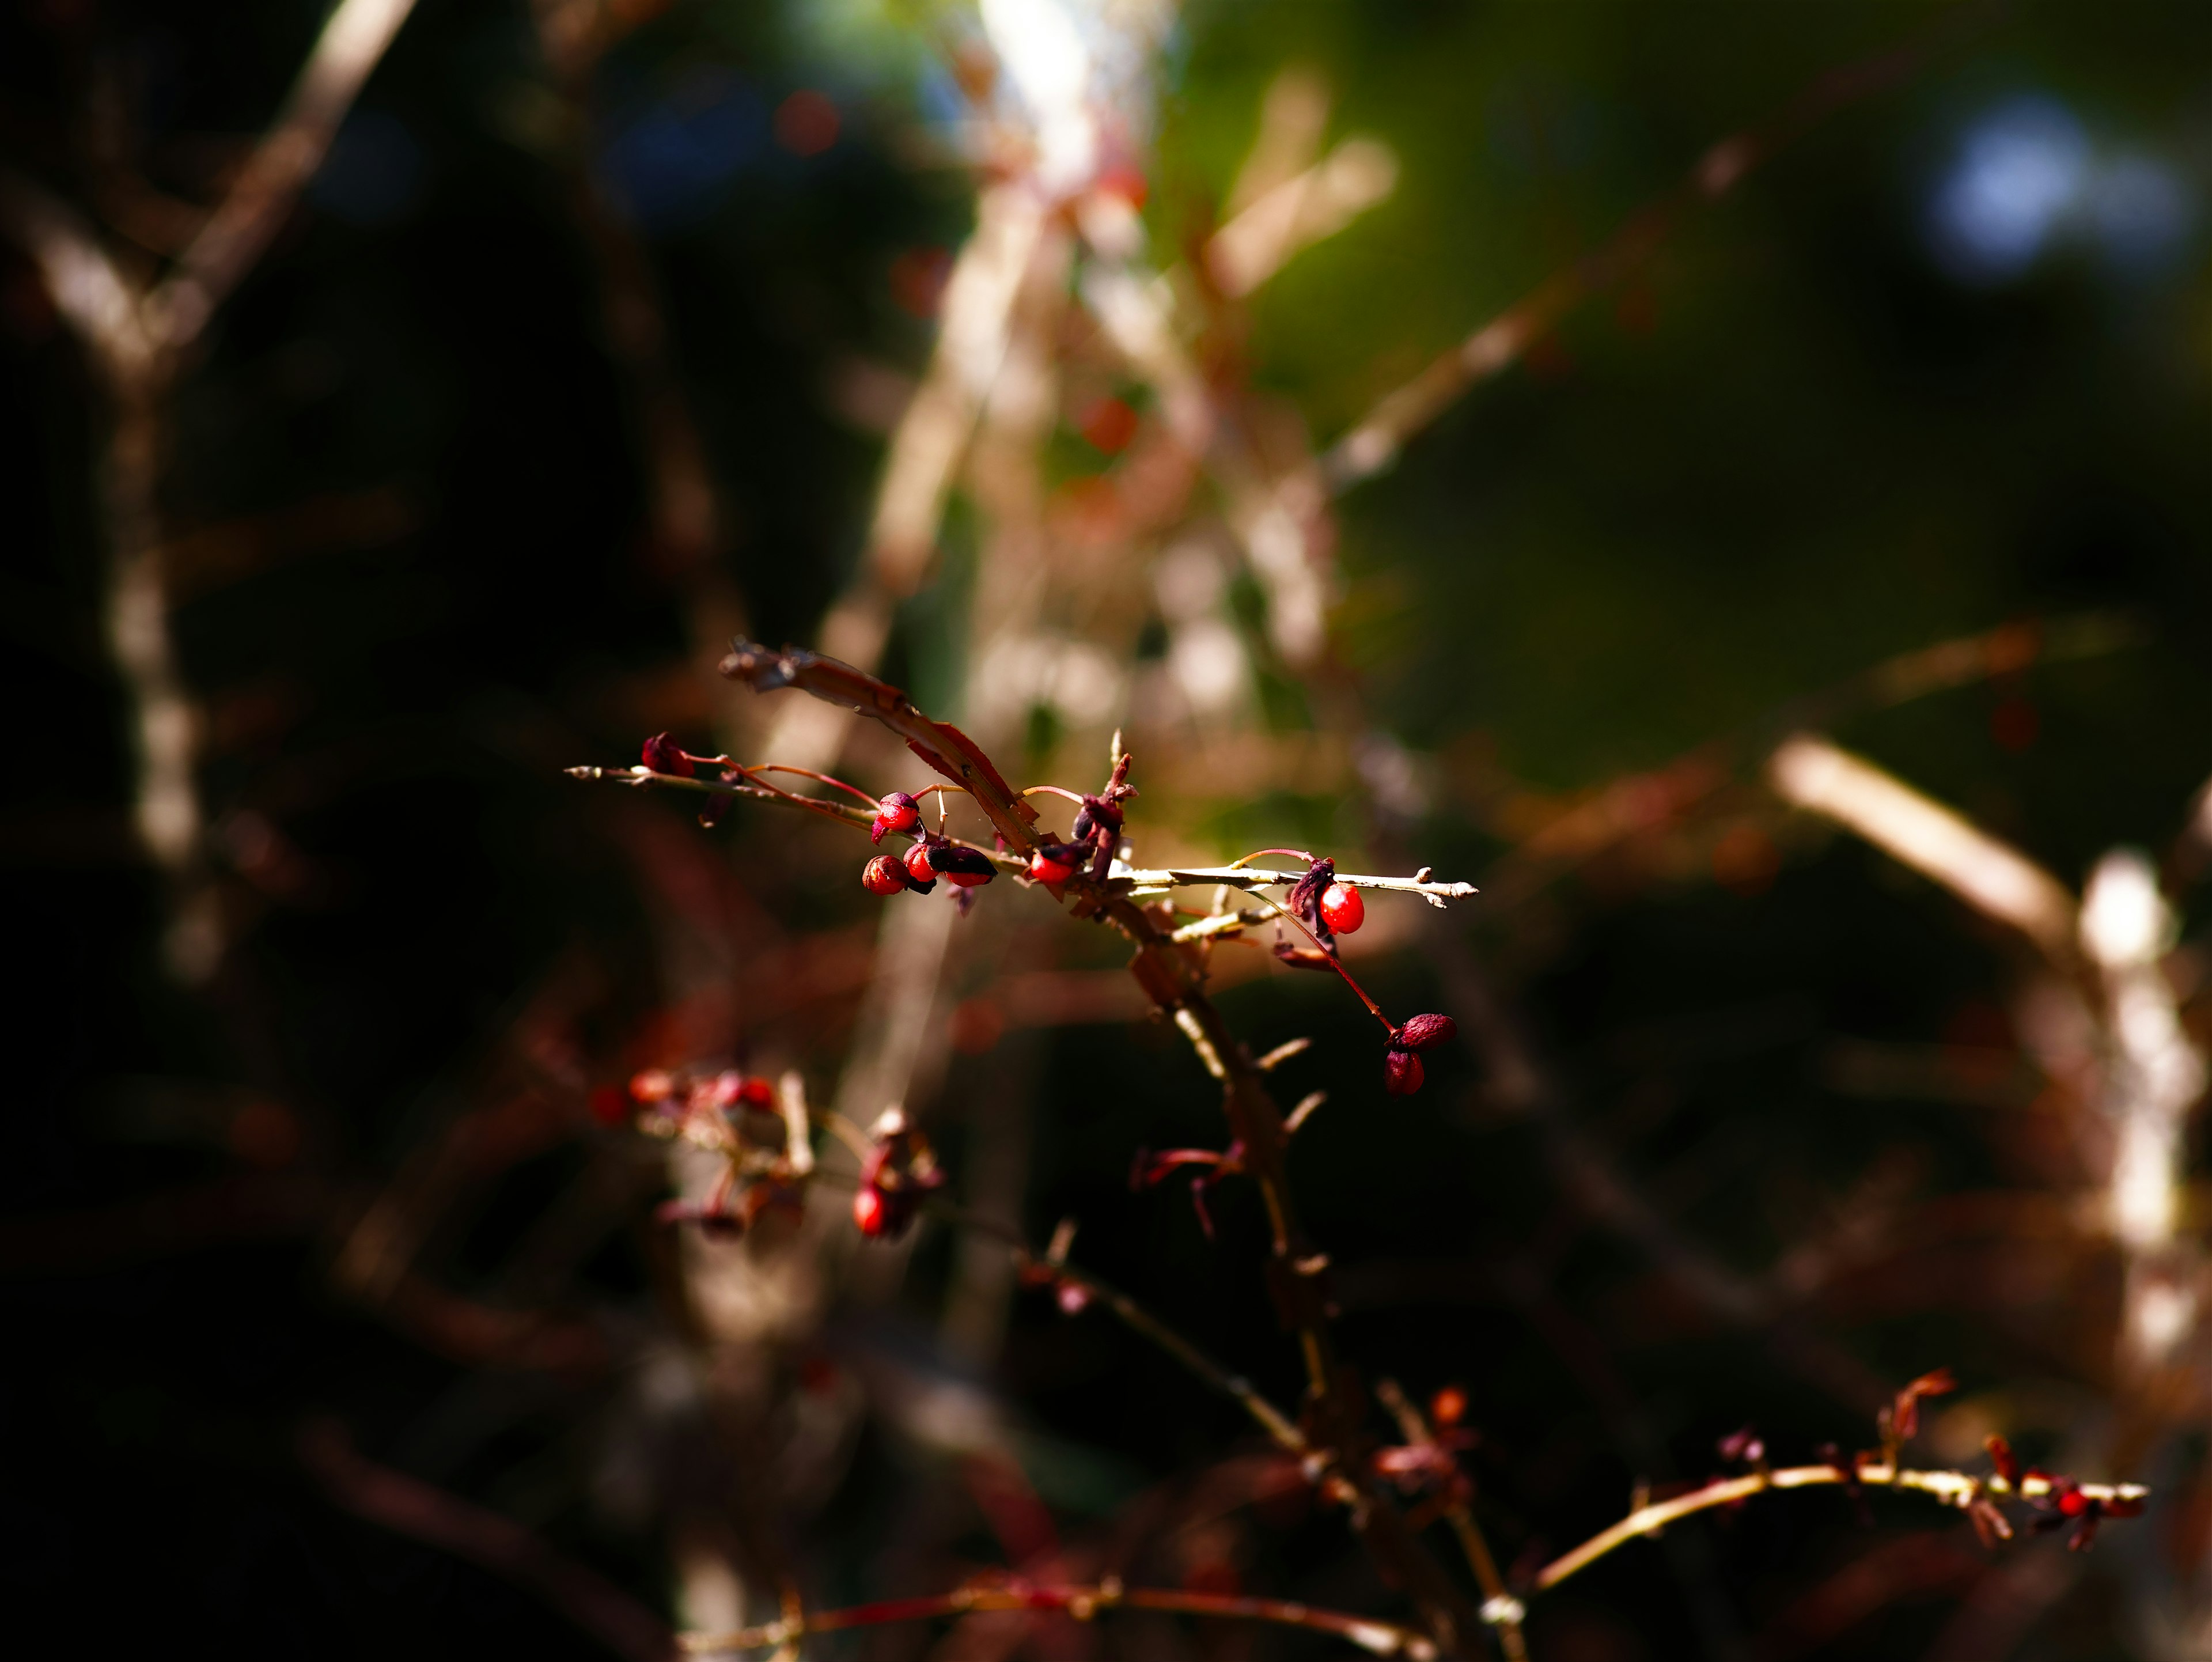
x=1401, y=1072
x=664, y=755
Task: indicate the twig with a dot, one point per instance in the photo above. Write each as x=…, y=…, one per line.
x=1236, y=877
x=1082, y=1603
x=1954, y=1488
x=1138, y=1319
x=1499, y=1607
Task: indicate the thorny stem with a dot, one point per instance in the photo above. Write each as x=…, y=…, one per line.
x=1955, y=1488
x=1173, y=980
x=1380, y=1638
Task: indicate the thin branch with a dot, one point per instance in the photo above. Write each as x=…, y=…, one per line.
x=1954, y=1488
x=1082, y=1603
x=1236, y=877
x=353, y=41
x=1138, y=1319
x=1499, y=1607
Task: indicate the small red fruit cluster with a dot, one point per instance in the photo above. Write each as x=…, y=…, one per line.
x=1402, y=1073
x=898, y=1174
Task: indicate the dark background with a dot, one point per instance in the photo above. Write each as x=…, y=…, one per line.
x=407, y=504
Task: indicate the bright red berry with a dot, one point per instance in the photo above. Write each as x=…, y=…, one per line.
x=1448, y=1406
x=664, y=755
x=2073, y=1503
x=883, y=875
x=756, y=1093
x=1401, y=1073
x=1050, y=872
x=871, y=1211
x=917, y=864
x=1342, y=908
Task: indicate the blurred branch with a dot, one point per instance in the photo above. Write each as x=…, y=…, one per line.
x=1372, y=445
x=1986, y=874
x=352, y=42
x=1082, y=1603
x=408, y=1507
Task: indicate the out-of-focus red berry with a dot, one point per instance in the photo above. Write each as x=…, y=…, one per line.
x=652, y=1085
x=664, y=755
x=883, y=875
x=1448, y=1406
x=2072, y=1503
x=871, y=1211
x=756, y=1093
x=1401, y=1073
x=1342, y=908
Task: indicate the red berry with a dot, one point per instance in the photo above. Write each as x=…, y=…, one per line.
x=1401, y=1073
x=917, y=864
x=883, y=875
x=652, y=1085
x=2073, y=1503
x=968, y=879
x=756, y=1093
x=1448, y=1406
x=1051, y=872
x=1342, y=908
x=871, y=1211
x=664, y=755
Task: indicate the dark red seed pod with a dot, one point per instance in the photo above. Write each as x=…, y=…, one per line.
x=886, y=876
x=664, y=755
x=1343, y=908
x=966, y=868
x=895, y=813
x=1401, y=1072
x=1421, y=1031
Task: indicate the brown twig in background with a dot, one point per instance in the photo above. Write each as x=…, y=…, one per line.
x=1082, y=1603
x=1375, y=442
x=408, y=1507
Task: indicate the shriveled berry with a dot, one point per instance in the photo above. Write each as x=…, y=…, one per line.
x=883, y=875
x=1051, y=873
x=1342, y=907
x=1421, y=1031
x=895, y=813
x=664, y=755
x=1401, y=1072
x=2072, y=1503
